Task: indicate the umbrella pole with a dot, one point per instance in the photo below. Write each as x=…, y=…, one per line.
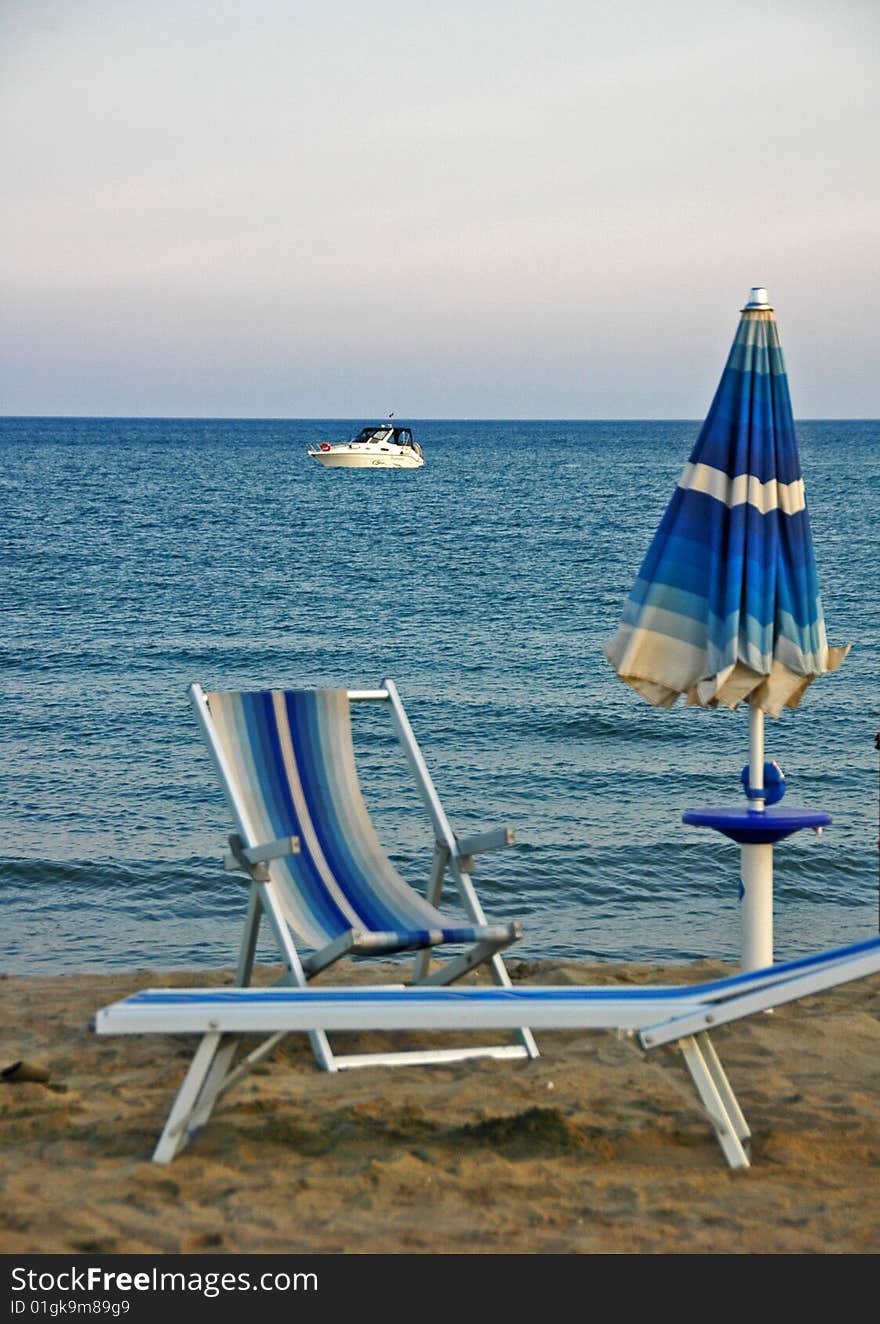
x=756, y=753
x=756, y=863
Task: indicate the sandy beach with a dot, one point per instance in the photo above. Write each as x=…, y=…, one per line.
x=591, y=1149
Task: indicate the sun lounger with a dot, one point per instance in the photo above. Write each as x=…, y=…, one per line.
x=317, y=870
x=653, y=1016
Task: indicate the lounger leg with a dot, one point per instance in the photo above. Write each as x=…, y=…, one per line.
x=724, y=1088
x=219, y=1078
x=726, y=1129
x=177, y=1129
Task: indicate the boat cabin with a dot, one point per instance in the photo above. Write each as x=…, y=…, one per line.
x=384, y=432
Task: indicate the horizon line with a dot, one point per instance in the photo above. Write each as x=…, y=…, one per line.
x=413, y=418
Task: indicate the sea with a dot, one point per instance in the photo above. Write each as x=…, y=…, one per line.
x=140, y=555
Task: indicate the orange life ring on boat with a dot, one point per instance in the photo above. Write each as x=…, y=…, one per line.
x=325, y=445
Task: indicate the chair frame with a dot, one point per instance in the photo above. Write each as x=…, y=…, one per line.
x=452, y=856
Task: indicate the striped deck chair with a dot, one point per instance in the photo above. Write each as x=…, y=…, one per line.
x=318, y=871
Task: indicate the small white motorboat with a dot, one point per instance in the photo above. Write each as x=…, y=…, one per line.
x=380, y=446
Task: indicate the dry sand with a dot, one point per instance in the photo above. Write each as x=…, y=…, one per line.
x=593, y=1148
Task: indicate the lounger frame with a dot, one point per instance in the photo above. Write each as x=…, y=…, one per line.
x=652, y=1016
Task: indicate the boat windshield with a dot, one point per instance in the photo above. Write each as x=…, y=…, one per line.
x=372, y=434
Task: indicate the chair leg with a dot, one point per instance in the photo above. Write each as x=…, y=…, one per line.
x=320, y=1044
x=435, y=887
x=523, y=1034
x=713, y=1100
x=248, y=948
x=497, y=966
x=477, y=955
x=469, y=960
x=460, y=965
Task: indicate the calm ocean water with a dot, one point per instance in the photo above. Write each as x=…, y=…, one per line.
x=140, y=555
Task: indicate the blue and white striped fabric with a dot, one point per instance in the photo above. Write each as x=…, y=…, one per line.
x=291, y=765
x=829, y=969
x=726, y=605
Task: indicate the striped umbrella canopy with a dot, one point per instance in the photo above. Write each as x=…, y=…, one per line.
x=726, y=605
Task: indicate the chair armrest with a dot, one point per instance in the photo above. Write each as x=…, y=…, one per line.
x=468, y=847
x=252, y=859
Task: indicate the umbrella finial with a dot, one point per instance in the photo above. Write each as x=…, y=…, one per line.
x=758, y=298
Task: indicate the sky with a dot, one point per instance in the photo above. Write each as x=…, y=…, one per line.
x=528, y=209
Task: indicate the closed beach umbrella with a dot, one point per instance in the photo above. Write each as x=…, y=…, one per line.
x=726, y=605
